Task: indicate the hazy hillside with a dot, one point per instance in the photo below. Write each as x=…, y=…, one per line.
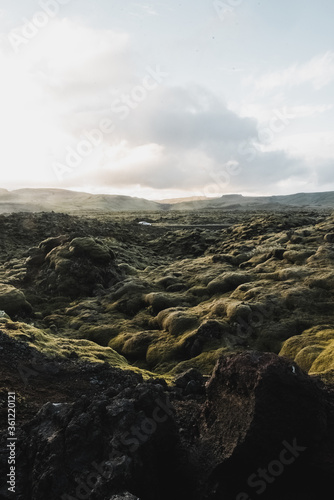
x=62, y=200
x=236, y=201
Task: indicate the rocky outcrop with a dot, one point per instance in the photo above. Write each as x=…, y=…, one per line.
x=125, y=438
x=260, y=427
x=265, y=430
x=71, y=267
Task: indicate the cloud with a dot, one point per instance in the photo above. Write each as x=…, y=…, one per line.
x=188, y=117
x=318, y=72
x=186, y=137
x=72, y=60
x=305, y=111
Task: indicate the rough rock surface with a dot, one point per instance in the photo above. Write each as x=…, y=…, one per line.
x=259, y=405
x=260, y=423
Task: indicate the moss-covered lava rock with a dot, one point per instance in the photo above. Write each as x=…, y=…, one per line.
x=72, y=268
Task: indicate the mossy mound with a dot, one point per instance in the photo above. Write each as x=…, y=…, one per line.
x=72, y=268
x=177, y=321
x=13, y=301
x=313, y=351
x=133, y=345
x=53, y=346
x=99, y=334
x=91, y=249
x=204, y=362
x=297, y=256
x=160, y=301
x=227, y=282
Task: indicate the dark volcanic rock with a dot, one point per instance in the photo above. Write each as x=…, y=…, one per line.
x=264, y=427
x=96, y=448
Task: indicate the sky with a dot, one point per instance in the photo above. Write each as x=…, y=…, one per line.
x=167, y=99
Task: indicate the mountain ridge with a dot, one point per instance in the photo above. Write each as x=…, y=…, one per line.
x=63, y=200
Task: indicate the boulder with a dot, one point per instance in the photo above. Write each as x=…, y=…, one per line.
x=75, y=268
x=262, y=414
x=35, y=257
x=96, y=447
x=92, y=249
x=13, y=301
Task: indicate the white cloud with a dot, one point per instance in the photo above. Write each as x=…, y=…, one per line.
x=68, y=68
x=72, y=59
x=318, y=72
x=308, y=145
x=305, y=111
x=178, y=138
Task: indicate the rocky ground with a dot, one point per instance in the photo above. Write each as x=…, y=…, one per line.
x=192, y=358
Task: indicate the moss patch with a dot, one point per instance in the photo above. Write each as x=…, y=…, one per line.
x=313, y=351
x=54, y=346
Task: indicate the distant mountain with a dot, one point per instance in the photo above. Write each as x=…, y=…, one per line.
x=172, y=201
x=62, y=200
x=235, y=201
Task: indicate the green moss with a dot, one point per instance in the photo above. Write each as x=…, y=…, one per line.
x=160, y=301
x=313, y=350
x=228, y=282
x=54, y=346
x=204, y=362
x=324, y=362
x=306, y=356
x=267, y=344
x=99, y=334
x=133, y=345
x=177, y=321
x=198, y=291
x=165, y=348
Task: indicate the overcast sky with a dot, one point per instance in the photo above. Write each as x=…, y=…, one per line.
x=167, y=99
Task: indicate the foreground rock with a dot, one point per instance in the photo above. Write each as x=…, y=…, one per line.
x=266, y=429
x=263, y=427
